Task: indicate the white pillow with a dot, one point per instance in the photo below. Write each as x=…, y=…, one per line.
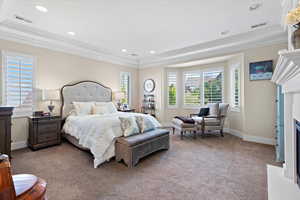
x=111, y=108
x=83, y=108
x=100, y=109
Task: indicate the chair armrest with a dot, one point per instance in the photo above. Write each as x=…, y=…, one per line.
x=193, y=115
x=214, y=117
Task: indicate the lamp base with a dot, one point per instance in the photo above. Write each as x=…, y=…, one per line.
x=51, y=108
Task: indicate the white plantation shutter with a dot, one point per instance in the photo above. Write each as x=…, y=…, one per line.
x=213, y=87
x=236, y=88
x=18, y=83
x=192, y=88
x=172, y=89
x=125, y=86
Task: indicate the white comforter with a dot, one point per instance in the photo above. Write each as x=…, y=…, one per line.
x=99, y=132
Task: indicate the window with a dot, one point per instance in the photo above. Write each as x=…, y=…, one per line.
x=235, y=88
x=18, y=83
x=172, y=89
x=125, y=86
x=213, y=87
x=192, y=88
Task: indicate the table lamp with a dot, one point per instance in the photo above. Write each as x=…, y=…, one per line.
x=51, y=95
x=118, y=97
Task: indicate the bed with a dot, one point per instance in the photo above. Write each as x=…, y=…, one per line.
x=94, y=133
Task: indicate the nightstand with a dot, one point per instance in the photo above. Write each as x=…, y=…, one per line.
x=126, y=110
x=44, y=131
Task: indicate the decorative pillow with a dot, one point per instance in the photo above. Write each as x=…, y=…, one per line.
x=144, y=124
x=83, y=108
x=203, y=112
x=129, y=126
x=99, y=109
x=213, y=109
x=111, y=108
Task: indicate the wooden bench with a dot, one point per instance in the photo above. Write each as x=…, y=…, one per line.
x=131, y=149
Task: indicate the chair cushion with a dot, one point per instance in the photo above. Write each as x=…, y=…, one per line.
x=181, y=124
x=203, y=112
x=140, y=138
x=208, y=121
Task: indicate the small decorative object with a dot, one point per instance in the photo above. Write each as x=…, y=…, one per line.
x=51, y=95
x=149, y=85
x=261, y=70
x=293, y=19
x=119, y=96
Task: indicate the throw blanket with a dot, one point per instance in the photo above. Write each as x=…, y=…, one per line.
x=186, y=120
x=99, y=132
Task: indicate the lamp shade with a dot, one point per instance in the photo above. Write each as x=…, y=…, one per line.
x=119, y=95
x=51, y=95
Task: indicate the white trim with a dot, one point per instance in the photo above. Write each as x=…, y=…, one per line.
x=176, y=87
x=18, y=145
x=232, y=87
x=17, y=32
x=250, y=138
x=229, y=45
x=4, y=55
x=129, y=86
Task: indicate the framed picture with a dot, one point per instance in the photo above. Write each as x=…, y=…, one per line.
x=261, y=70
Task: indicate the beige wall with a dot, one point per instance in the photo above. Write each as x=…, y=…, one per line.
x=54, y=69
x=260, y=108
x=257, y=115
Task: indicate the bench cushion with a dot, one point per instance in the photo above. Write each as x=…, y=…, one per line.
x=140, y=138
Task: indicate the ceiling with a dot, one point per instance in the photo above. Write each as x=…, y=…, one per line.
x=140, y=26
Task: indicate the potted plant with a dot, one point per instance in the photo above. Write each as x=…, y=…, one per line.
x=293, y=19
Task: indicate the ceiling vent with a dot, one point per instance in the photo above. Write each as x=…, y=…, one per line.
x=259, y=25
x=255, y=6
x=23, y=19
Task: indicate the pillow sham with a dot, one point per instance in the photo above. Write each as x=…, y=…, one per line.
x=111, y=108
x=145, y=124
x=83, y=108
x=99, y=109
x=129, y=126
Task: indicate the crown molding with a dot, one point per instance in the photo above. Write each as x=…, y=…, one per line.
x=229, y=45
x=18, y=32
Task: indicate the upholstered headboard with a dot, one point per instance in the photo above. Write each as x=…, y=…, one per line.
x=83, y=91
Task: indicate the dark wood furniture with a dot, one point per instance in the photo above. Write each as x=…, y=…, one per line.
x=19, y=187
x=126, y=110
x=5, y=130
x=44, y=131
x=131, y=149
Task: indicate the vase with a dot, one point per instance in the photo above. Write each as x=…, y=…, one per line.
x=296, y=37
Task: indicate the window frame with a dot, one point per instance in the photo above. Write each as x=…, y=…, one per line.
x=129, y=86
x=232, y=88
x=211, y=71
x=176, y=87
x=185, y=106
x=4, y=55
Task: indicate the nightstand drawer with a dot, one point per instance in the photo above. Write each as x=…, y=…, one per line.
x=48, y=127
x=45, y=137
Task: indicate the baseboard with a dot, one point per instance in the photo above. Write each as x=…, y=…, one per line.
x=18, y=145
x=257, y=139
x=250, y=138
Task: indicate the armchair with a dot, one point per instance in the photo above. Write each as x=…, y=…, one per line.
x=212, y=122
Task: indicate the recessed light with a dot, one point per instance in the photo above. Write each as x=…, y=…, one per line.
x=41, y=8
x=124, y=50
x=71, y=33
x=152, y=52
